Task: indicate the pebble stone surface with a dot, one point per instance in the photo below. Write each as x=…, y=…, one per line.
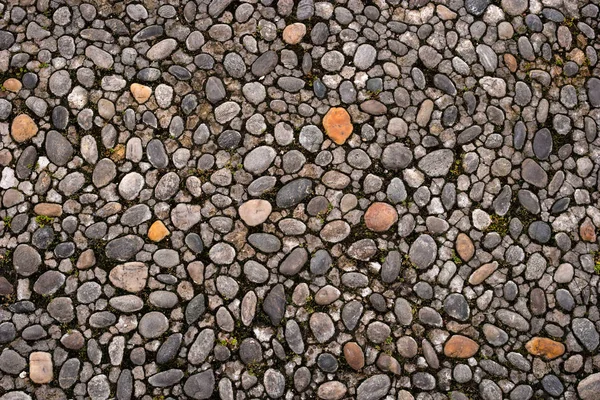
x=277, y=199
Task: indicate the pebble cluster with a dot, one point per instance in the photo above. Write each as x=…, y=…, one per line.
x=265, y=199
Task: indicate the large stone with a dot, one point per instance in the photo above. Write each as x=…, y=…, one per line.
x=58, y=149
x=158, y=231
x=259, y=159
x=337, y=125
x=354, y=356
x=437, y=163
x=293, y=193
x=200, y=386
x=274, y=304
x=124, y=247
x=153, y=325
x=380, y=217
x=459, y=346
x=533, y=173
x=40, y=367
x=545, y=348
x=589, y=387
x=26, y=260
x=23, y=128
x=130, y=276
x=423, y=251
x=585, y=331
x=373, y=388
x=293, y=33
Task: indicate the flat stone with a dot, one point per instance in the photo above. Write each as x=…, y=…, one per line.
x=274, y=304
x=545, y=348
x=459, y=346
x=124, y=248
x=589, y=387
x=437, y=163
x=265, y=64
x=294, y=192
x=153, y=325
x=423, y=251
x=40, y=367
x=373, y=388
x=332, y=390
x=338, y=125
x=200, y=386
x=335, y=231
x=259, y=159
x=130, y=276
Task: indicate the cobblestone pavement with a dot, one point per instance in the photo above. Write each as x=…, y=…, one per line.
x=264, y=199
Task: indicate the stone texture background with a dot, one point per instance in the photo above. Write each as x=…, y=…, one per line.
x=219, y=199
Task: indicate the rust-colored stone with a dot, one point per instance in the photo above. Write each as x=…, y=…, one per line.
x=338, y=125
x=354, y=355
x=459, y=346
x=380, y=217
x=544, y=347
x=464, y=247
x=158, y=231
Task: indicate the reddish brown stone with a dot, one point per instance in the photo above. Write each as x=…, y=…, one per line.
x=338, y=125
x=459, y=346
x=354, y=355
x=544, y=347
x=380, y=217
x=464, y=247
